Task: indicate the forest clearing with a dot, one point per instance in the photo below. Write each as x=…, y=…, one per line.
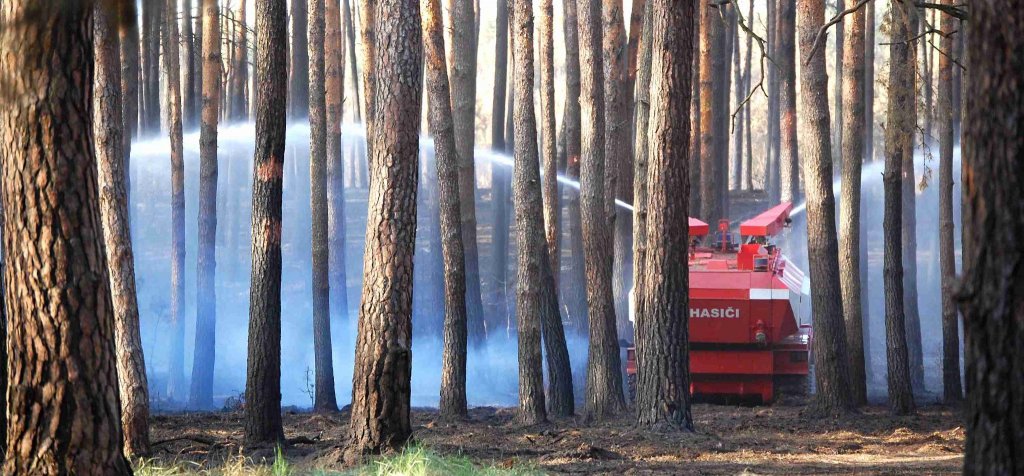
x=511, y=237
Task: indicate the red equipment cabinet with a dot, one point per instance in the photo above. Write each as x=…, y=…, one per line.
x=745, y=340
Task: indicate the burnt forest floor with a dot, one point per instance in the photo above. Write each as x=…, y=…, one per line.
x=728, y=440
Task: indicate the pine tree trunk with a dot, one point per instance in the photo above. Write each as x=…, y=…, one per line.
x=926, y=75
x=869, y=83
x=128, y=33
x=560, y=392
x=958, y=80
x=197, y=68
x=838, y=117
x=500, y=177
x=529, y=222
x=619, y=155
x=910, y=300
x=789, y=161
x=463, y=81
x=696, y=128
x=381, y=377
x=829, y=347
x=152, y=15
x=574, y=286
x=722, y=109
x=453, y=366
x=636, y=26
x=201, y=395
x=604, y=377
x=502, y=182
x=334, y=64
x=240, y=70
x=850, y=214
x=350, y=32
x=188, y=67
x=992, y=291
x=62, y=399
x=736, y=123
x=712, y=56
x=662, y=295
x=324, y=399
x=109, y=130
x=298, y=81
x=368, y=34
x=952, y=391
x=176, y=368
x=642, y=144
x=773, y=168
x=748, y=155
x=263, y=373
x=899, y=124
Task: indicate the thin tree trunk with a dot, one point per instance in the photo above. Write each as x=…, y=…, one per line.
x=381, y=377
x=176, y=368
x=152, y=15
x=463, y=81
x=712, y=52
x=850, y=214
x=197, y=68
x=619, y=156
x=560, y=394
x=952, y=391
x=838, y=117
x=574, y=286
x=748, y=154
x=263, y=372
x=298, y=81
x=201, y=396
x=696, y=112
x=636, y=26
x=958, y=80
x=529, y=221
x=502, y=183
x=368, y=34
x=662, y=295
x=109, y=131
x=350, y=31
x=909, y=223
x=789, y=161
x=642, y=143
x=722, y=110
x=831, y=360
x=190, y=67
x=240, y=70
x=899, y=124
x=992, y=293
x=62, y=398
x=773, y=168
x=453, y=363
x=604, y=377
x=324, y=398
x=869, y=82
x=736, y=123
x=334, y=64
x=499, y=175
x=926, y=75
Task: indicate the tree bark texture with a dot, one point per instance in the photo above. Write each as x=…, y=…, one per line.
x=189, y=101
x=62, y=400
x=773, y=168
x=108, y=131
x=453, y=360
x=604, y=377
x=324, y=399
x=263, y=372
x=736, y=123
x=838, y=117
x=176, y=368
x=500, y=190
x=831, y=360
x=201, y=395
x=992, y=291
x=662, y=291
x=869, y=82
x=298, y=81
x=381, y=377
x=850, y=213
x=547, y=134
x=952, y=391
x=900, y=122
x=642, y=143
x=619, y=154
x=463, y=82
x=747, y=178
x=785, y=58
x=350, y=35
x=696, y=132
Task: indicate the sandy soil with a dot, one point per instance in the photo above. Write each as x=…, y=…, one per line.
x=729, y=440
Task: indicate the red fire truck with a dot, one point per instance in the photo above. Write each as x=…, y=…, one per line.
x=746, y=343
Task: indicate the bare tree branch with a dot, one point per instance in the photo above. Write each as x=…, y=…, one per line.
x=761, y=45
x=823, y=31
